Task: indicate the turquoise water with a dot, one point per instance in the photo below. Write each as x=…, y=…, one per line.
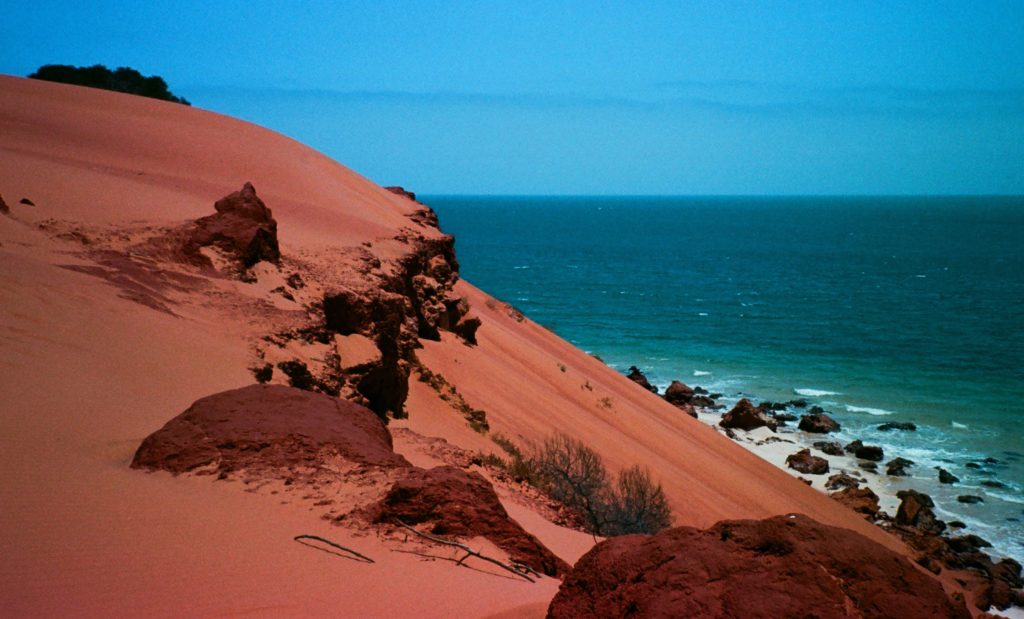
x=878, y=309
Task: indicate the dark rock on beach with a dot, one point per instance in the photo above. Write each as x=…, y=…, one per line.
x=782, y=418
x=991, y=483
x=841, y=480
x=869, y=452
x=804, y=462
x=945, y=477
x=831, y=448
x=861, y=500
x=681, y=396
x=678, y=393
x=818, y=423
x=638, y=377
x=898, y=425
x=897, y=467
x=915, y=511
x=970, y=499
x=744, y=416
x=869, y=466
x=785, y=566
x=853, y=446
x=704, y=401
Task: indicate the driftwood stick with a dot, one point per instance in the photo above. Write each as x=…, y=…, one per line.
x=299, y=538
x=516, y=568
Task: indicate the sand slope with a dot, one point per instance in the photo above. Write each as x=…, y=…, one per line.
x=86, y=374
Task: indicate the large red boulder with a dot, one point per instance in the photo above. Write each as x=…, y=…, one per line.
x=786, y=566
x=267, y=427
x=457, y=503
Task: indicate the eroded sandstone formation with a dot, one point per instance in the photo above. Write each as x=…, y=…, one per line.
x=396, y=306
x=786, y=566
x=243, y=228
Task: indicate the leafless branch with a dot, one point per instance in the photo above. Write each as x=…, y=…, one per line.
x=299, y=539
x=518, y=569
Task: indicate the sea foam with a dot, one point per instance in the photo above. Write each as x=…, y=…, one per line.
x=868, y=410
x=701, y=373
x=815, y=393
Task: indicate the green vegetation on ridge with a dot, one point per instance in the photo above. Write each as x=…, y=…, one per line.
x=122, y=79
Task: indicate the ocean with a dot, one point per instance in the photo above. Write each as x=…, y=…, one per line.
x=875, y=308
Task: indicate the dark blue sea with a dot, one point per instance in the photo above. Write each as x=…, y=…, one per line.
x=875, y=308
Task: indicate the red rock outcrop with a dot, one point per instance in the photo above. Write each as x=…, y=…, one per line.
x=786, y=566
x=396, y=305
x=264, y=427
x=463, y=504
x=744, y=416
x=243, y=227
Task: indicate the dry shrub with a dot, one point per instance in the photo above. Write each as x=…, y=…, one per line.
x=572, y=473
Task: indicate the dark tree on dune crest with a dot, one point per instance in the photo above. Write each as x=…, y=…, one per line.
x=122, y=79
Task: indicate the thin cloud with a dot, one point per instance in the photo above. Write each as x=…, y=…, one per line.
x=727, y=97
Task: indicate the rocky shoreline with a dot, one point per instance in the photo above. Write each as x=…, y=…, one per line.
x=858, y=475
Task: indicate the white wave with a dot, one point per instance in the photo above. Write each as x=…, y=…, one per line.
x=525, y=266
x=868, y=410
x=702, y=313
x=815, y=393
x=701, y=373
x=958, y=425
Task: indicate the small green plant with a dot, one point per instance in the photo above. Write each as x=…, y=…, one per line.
x=122, y=79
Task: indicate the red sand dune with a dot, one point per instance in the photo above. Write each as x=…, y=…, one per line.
x=87, y=372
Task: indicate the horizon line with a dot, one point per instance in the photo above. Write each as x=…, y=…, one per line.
x=718, y=195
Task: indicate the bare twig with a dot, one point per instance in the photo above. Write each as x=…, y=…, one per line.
x=299, y=539
x=518, y=569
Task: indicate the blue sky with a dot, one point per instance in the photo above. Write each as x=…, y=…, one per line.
x=773, y=97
